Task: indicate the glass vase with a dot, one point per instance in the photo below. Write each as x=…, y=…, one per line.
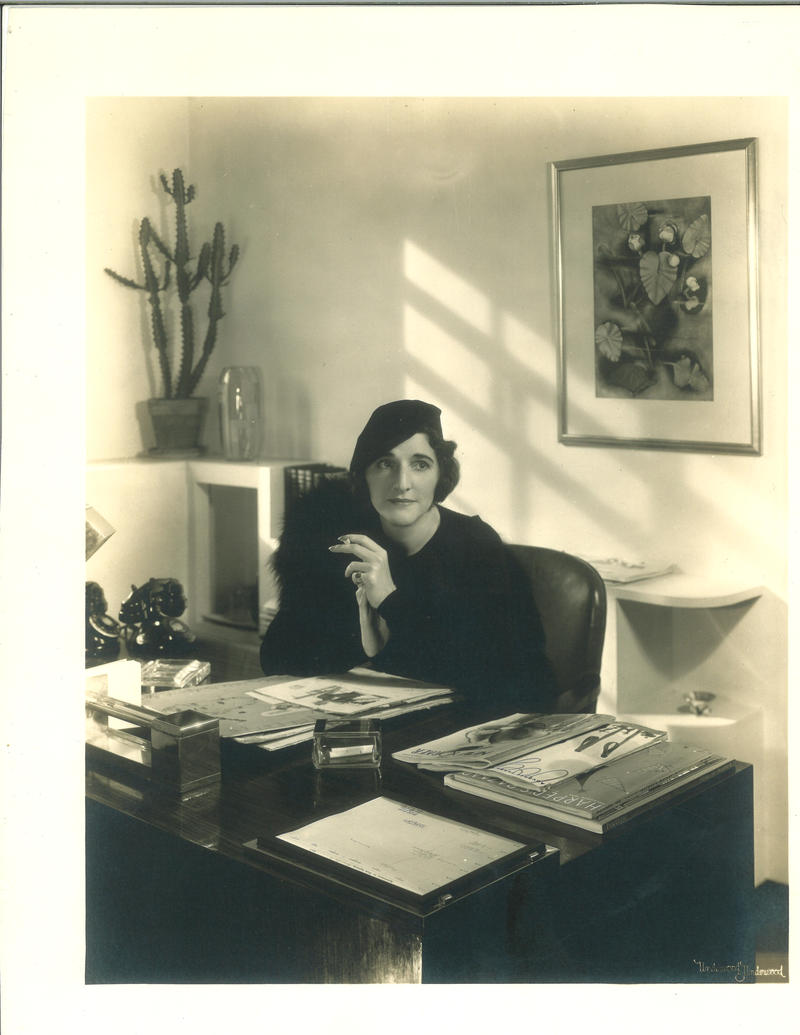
x=240, y=412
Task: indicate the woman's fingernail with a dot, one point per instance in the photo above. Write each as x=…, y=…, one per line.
x=344, y=539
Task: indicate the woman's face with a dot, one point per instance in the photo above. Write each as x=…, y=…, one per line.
x=402, y=483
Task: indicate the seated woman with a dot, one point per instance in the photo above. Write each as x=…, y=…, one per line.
x=373, y=569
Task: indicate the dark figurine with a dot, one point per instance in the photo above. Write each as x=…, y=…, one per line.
x=150, y=616
x=102, y=632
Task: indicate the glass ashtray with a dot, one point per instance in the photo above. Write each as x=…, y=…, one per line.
x=347, y=744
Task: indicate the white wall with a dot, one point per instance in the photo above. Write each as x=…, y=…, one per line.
x=127, y=146
x=148, y=506
x=401, y=247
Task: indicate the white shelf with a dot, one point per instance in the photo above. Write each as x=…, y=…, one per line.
x=678, y=590
x=244, y=474
x=264, y=480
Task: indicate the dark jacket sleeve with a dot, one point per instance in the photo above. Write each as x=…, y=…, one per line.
x=471, y=623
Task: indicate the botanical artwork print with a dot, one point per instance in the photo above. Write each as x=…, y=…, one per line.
x=652, y=300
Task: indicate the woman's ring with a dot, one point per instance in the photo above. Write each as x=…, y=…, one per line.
x=358, y=577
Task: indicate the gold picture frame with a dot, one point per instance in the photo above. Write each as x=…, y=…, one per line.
x=655, y=259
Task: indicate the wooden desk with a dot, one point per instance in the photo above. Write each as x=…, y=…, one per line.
x=173, y=894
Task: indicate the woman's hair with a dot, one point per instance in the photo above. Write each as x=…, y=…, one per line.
x=449, y=469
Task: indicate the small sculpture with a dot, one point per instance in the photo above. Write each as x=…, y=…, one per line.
x=102, y=632
x=150, y=616
x=697, y=702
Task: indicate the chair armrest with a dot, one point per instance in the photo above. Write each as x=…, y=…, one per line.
x=581, y=698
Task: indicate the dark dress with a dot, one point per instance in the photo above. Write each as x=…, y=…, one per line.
x=462, y=614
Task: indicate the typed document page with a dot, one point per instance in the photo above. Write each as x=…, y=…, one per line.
x=403, y=845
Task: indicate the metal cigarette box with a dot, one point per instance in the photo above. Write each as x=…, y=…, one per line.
x=179, y=751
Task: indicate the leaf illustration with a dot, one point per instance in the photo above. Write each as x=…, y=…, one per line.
x=698, y=380
x=631, y=215
x=657, y=275
x=682, y=371
x=689, y=375
x=697, y=239
x=632, y=376
x=608, y=339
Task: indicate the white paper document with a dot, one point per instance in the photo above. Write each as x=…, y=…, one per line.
x=403, y=845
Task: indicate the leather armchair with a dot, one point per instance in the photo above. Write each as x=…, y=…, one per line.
x=571, y=598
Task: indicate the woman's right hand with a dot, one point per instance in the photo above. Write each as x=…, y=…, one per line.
x=369, y=569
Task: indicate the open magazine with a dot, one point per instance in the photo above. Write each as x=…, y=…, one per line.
x=542, y=767
x=358, y=692
x=600, y=798
x=243, y=707
x=477, y=747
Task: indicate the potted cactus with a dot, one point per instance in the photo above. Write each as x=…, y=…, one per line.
x=178, y=415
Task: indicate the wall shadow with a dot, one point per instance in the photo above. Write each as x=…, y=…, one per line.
x=514, y=387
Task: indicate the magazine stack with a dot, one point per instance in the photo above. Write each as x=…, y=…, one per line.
x=587, y=771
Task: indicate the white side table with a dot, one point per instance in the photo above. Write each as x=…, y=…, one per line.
x=676, y=634
x=672, y=635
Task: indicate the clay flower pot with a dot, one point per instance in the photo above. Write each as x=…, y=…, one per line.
x=177, y=423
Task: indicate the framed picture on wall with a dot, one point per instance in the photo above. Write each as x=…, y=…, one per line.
x=655, y=257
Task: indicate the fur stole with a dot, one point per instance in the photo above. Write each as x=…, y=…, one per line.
x=312, y=523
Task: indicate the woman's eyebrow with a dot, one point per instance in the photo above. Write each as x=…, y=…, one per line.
x=395, y=456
